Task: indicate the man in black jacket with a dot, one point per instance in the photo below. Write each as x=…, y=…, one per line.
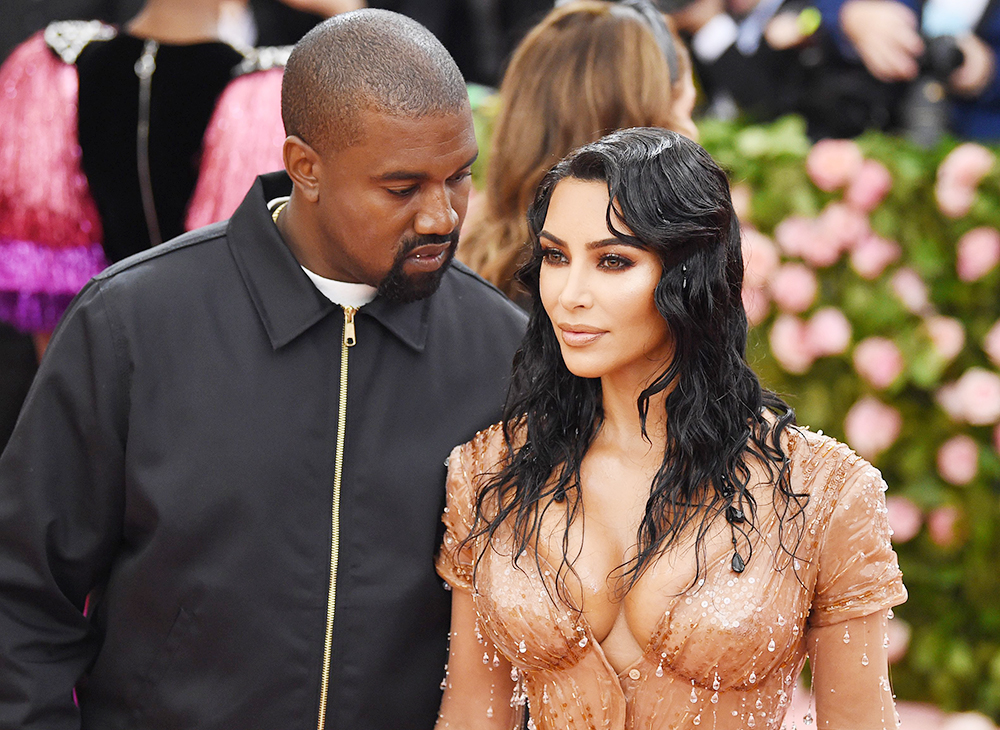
x=221, y=504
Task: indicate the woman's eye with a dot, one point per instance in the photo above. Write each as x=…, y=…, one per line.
x=552, y=256
x=615, y=261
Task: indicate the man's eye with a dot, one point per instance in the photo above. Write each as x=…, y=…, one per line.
x=402, y=192
x=461, y=176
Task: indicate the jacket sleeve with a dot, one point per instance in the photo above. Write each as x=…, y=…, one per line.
x=61, y=505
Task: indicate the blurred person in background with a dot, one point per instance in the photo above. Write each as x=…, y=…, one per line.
x=944, y=50
x=745, y=54
x=588, y=68
x=761, y=59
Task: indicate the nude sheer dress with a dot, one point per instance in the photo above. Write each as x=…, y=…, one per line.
x=727, y=652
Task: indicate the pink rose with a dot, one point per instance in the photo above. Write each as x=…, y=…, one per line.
x=911, y=290
x=991, y=343
x=789, y=339
x=942, y=525
x=793, y=287
x=756, y=304
x=898, y=632
x=950, y=400
x=878, y=361
x=954, y=200
x=905, y=518
x=947, y=335
x=872, y=254
x=958, y=176
x=832, y=163
x=794, y=234
x=742, y=196
x=760, y=258
x=828, y=332
x=958, y=460
x=871, y=427
x=870, y=186
x=967, y=164
x=841, y=228
x=979, y=396
x=978, y=252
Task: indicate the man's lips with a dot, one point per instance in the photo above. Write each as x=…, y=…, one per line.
x=579, y=335
x=428, y=257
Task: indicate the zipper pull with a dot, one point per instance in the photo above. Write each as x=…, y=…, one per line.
x=350, y=338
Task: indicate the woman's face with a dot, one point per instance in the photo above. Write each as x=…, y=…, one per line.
x=598, y=290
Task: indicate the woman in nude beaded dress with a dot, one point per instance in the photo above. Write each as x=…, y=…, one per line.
x=681, y=545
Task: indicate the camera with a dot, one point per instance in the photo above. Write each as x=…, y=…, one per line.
x=924, y=108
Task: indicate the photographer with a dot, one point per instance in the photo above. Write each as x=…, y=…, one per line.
x=891, y=38
x=766, y=58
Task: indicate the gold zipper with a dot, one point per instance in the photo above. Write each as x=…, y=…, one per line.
x=338, y=467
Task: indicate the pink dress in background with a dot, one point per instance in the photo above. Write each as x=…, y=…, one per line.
x=50, y=228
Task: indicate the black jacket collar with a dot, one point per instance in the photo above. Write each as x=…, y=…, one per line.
x=287, y=302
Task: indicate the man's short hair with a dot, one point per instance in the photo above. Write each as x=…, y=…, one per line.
x=366, y=60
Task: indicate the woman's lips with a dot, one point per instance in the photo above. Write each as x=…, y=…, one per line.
x=576, y=335
x=429, y=257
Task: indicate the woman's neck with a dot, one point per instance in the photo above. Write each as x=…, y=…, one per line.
x=177, y=21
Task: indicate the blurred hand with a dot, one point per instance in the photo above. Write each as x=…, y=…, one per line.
x=326, y=8
x=693, y=18
x=784, y=31
x=974, y=74
x=885, y=35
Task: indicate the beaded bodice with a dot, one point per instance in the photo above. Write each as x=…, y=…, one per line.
x=723, y=654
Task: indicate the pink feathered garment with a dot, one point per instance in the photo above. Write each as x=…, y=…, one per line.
x=243, y=140
x=50, y=231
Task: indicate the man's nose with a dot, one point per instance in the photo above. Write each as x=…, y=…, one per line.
x=438, y=215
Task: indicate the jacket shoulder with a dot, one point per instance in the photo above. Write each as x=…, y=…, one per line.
x=182, y=243
x=470, y=284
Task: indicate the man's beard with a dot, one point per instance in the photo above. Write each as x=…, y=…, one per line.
x=402, y=288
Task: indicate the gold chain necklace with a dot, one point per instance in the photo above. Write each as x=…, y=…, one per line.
x=277, y=211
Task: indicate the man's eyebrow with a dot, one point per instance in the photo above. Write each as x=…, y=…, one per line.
x=417, y=176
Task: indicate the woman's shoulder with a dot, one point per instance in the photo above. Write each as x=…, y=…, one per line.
x=483, y=452
x=828, y=469
x=802, y=444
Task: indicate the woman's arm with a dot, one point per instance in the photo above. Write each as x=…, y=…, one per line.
x=478, y=685
x=850, y=675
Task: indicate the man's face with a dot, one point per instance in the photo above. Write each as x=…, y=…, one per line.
x=390, y=206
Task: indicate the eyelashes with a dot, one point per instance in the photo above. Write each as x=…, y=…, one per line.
x=616, y=262
x=607, y=261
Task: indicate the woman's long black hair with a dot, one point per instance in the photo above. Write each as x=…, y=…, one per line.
x=675, y=202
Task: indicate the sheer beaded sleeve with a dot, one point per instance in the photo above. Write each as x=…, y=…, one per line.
x=455, y=564
x=858, y=570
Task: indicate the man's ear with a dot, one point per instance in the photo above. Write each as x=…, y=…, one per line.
x=303, y=165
